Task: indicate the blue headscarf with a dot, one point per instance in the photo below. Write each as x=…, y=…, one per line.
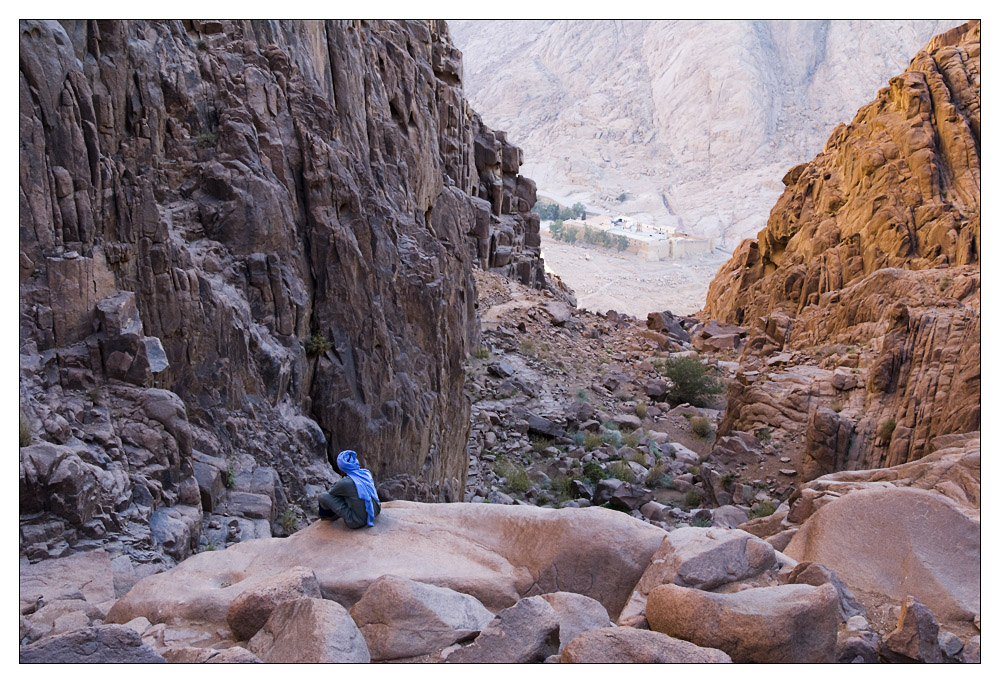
x=347, y=461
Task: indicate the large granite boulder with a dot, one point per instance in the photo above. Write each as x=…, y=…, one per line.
x=897, y=541
x=498, y=554
x=577, y=613
x=309, y=631
x=251, y=609
x=776, y=624
x=622, y=645
x=698, y=557
x=109, y=644
x=401, y=618
x=526, y=633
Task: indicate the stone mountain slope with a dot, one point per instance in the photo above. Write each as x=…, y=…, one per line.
x=862, y=295
x=694, y=120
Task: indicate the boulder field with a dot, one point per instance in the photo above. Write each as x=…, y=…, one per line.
x=477, y=583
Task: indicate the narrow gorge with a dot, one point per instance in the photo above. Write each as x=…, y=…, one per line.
x=245, y=246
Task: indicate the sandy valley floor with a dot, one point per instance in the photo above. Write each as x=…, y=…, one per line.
x=604, y=279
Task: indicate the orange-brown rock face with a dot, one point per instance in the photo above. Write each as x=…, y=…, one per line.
x=868, y=273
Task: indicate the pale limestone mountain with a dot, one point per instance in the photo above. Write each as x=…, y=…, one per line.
x=696, y=121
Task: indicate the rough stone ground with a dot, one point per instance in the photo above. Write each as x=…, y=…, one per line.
x=604, y=279
x=537, y=370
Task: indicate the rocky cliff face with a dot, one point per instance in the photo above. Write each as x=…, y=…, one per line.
x=867, y=280
x=245, y=246
x=695, y=120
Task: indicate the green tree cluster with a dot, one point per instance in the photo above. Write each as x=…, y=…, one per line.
x=554, y=212
x=690, y=382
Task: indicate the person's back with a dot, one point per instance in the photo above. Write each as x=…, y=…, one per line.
x=353, y=498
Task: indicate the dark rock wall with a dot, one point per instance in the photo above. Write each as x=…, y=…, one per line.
x=197, y=199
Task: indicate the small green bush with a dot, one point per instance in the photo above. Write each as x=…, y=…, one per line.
x=481, y=353
x=612, y=437
x=229, y=476
x=501, y=467
x=527, y=347
x=689, y=381
x=540, y=443
x=561, y=487
x=593, y=472
x=763, y=434
x=656, y=475
x=701, y=522
x=641, y=409
x=24, y=431
x=692, y=498
x=317, y=344
x=728, y=478
x=622, y=197
x=289, y=520
x=592, y=441
x=886, y=430
x=582, y=395
x=620, y=470
x=518, y=480
x=763, y=508
x=700, y=426
x=632, y=438
x=206, y=139
x=579, y=438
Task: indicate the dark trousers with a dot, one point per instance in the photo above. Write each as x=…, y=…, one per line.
x=334, y=507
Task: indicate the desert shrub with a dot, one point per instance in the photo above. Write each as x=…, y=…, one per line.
x=317, y=344
x=655, y=475
x=570, y=233
x=561, y=487
x=289, y=520
x=763, y=508
x=23, y=431
x=837, y=407
x=581, y=394
x=701, y=521
x=886, y=430
x=641, y=409
x=612, y=437
x=620, y=470
x=667, y=481
x=593, y=472
x=728, y=478
x=700, y=426
x=622, y=197
x=481, y=353
x=518, y=480
x=540, y=443
x=692, y=498
x=580, y=438
x=527, y=347
x=229, y=476
x=689, y=381
x=592, y=441
x=763, y=434
x=501, y=467
x=206, y=139
x=632, y=438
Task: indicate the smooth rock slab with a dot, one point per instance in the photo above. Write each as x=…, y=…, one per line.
x=495, y=553
x=526, y=633
x=109, y=644
x=778, y=625
x=402, y=618
x=310, y=631
x=251, y=609
x=898, y=542
x=623, y=645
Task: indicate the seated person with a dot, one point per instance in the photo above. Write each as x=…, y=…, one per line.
x=353, y=498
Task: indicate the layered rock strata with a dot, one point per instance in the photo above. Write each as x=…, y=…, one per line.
x=867, y=280
x=245, y=246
